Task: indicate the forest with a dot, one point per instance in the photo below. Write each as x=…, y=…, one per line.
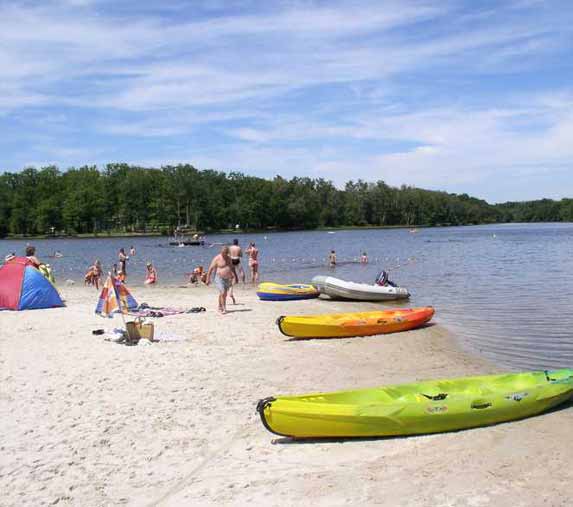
x=122, y=198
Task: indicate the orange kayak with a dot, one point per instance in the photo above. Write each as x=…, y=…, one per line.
x=337, y=325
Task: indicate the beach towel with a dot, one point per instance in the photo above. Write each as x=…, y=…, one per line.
x=145, y=310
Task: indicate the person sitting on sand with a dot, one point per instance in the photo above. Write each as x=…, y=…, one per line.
x=151, y=276
x=93, y=274
x=31, y=256
x=364, y=258
x=198, y=275
x=332, y=259
x=224, y=273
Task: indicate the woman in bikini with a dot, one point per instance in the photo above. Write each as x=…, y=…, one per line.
x=224, y=273
x=253, y=254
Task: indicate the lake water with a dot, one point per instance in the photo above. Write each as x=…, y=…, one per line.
x=505, y=290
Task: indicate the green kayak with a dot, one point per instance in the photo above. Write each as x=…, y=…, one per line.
x=424, y=407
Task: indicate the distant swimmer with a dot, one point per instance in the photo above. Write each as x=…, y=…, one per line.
x=58, y=254
x=332, y=259
x=131, y=250
x=364, y=258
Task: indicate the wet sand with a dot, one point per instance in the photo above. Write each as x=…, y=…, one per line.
x=88, y=422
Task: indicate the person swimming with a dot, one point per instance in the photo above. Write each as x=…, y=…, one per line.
x=364, y=258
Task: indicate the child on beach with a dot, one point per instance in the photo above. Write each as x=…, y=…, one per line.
x=198, y=275
x=151, y=277
x=93, y=274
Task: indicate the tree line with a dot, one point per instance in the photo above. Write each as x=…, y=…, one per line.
x=127, y=198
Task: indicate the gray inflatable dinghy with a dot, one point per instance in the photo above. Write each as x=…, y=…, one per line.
x=341, y=289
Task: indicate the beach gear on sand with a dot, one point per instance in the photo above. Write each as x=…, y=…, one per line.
x=268, y=291
x=423, y=407
x=114, y=298
x=339, y=325
x=342, y=289
x=23, y=287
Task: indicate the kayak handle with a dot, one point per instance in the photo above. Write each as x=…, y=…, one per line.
x=264, y=403
x=437, y=397
x=481, y=404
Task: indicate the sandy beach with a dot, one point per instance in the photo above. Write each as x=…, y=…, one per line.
x=84, y=421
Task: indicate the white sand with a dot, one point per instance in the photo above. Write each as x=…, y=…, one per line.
x=91, y=423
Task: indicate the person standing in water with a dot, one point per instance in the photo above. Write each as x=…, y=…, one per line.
x=224, y=273
x=122, y=265
x=364, y=258
x=253, y=253
x=332, y=259
x=132, y=250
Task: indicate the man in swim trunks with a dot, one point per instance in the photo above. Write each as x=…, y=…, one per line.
x=224, y=271
x=236, y=254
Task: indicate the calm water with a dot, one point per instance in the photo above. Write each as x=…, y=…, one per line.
x=506, y=290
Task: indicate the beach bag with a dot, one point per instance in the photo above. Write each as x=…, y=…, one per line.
x=136, y=330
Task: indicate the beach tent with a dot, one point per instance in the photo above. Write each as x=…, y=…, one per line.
x=23, y=287
x=114, y=298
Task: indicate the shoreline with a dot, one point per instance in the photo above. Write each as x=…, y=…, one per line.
x=174, y=423
x=113, y=235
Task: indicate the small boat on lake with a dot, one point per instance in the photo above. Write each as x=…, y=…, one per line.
x=342, y=289
x=190, y=242
x=422, y=407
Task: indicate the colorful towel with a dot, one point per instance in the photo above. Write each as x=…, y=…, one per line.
x=157, y=312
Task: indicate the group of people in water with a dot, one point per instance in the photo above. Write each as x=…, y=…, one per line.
x=332, y=258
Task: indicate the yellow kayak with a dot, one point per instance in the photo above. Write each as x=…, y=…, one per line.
x=424, y=407
x=268, y=291
x=337, y=325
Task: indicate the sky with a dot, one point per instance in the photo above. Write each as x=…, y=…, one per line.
x=465, y=96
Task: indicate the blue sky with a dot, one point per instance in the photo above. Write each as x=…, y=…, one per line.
x=463, y=96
